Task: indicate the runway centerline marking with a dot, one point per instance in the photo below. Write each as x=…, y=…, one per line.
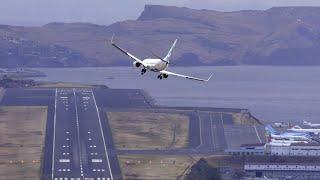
x=54, y=131
x=78, y=131
x=221, y=119
x=102, y=134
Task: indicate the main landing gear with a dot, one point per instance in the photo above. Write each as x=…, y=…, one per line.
x=143, y=71
x=160, y=76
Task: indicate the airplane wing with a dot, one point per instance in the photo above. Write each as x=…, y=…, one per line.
x=127, y=53
x=184, y=76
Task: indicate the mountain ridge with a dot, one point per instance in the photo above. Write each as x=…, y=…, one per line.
x=276, y=36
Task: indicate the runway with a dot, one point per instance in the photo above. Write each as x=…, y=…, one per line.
x=78, y=143
x=79, y=149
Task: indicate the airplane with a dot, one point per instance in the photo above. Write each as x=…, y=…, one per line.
x=298, y=129
x=279, y=144
x=310, y=124
x=300, y=136
x=158, y=65
x=285, y=142
x=281, y=124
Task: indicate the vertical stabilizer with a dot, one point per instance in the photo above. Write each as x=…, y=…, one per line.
x=270, y=130
x=167, y=58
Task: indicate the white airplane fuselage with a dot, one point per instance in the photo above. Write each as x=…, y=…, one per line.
x=311, y=124
x=287, y=141
x=155, y=65
x=315, y=131
x=290, y=137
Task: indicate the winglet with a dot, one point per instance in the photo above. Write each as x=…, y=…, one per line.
x=209, y=77
x=112, y=42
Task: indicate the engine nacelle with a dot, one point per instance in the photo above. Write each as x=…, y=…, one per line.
x=165, y=75
x=136, y=64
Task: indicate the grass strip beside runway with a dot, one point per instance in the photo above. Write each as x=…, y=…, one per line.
x=145, y=130
x=22, y=134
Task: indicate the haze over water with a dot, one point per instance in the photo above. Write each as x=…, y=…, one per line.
x=272, y=94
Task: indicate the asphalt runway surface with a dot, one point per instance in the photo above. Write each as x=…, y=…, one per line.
x=78, y=141
x=211, y=131
x=79, y=145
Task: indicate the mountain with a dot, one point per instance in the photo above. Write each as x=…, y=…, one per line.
x=277, y=36
x=19, y=51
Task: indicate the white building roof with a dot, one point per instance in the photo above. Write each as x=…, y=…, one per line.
x=282, y=167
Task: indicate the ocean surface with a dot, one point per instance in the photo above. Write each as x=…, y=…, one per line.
x=272, y=94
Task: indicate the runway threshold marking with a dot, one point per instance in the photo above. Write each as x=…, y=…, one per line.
x=102, y=134
x=78, y=132
x=54, y=131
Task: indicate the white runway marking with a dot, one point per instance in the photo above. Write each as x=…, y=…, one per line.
x=200, y=129
x=221, y=119
x=102, y=134
x=96, y=160
x=255, y=128
x=211, y=130
x=78, y=131
x=54, y=131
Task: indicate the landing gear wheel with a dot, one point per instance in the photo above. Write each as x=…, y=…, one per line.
x=143, y=71
x=159, y=76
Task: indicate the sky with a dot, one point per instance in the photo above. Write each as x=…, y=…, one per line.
x=105, y=12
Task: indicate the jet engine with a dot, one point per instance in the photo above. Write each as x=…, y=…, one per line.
x=136, y=64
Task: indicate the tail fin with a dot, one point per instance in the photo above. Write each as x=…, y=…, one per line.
x=296, y=127
x=170, y=51
x=306, y=122
x=270, y=130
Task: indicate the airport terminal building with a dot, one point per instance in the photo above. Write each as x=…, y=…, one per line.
x=282, y=171
x=248, y=150
x=296, y=149
x=312, y=149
